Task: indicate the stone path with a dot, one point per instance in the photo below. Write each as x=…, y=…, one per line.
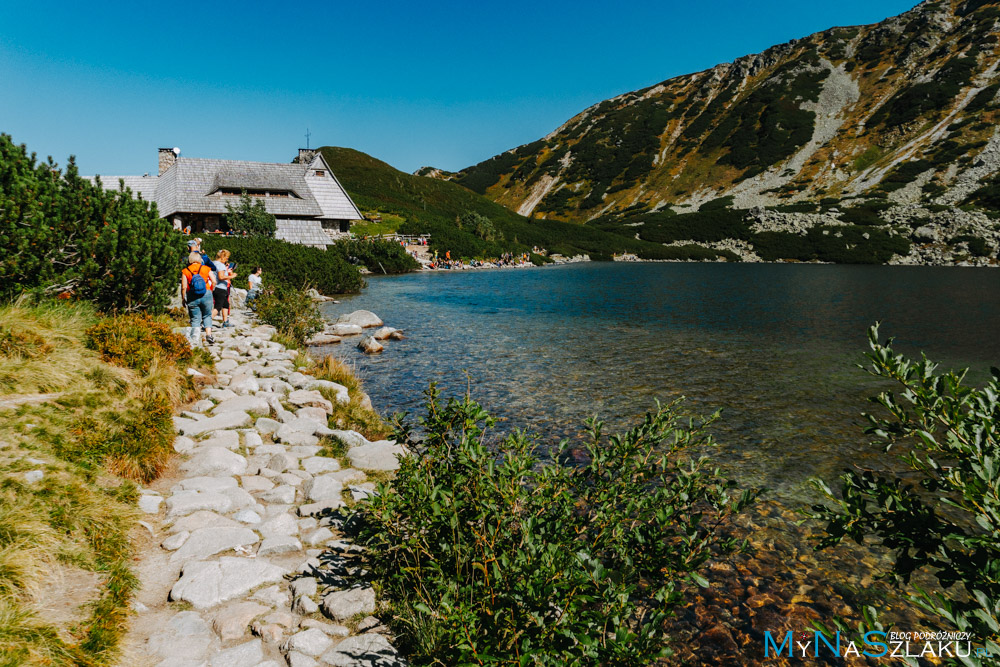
x=245, y=566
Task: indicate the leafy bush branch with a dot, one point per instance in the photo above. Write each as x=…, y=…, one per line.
x=490, y=555
x=291, y=311
x=944, y=518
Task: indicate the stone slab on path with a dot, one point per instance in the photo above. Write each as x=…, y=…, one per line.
x=344, y=605
x=207, y=583
x=243, y=404
x=369, y=649
x=249, y=654
x=378, y=456
x=232, y=622
x=215, y=461
x=226, y=420
x=206, y=542
x=188, y=502
x=186, y=636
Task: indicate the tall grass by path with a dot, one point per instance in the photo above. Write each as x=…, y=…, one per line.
x=108, y=428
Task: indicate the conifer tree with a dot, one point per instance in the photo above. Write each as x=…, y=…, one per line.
x=250, y=217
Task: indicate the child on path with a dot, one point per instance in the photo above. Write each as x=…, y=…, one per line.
x=255, y=280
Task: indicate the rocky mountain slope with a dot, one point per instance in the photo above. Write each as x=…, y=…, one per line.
x=904, y=111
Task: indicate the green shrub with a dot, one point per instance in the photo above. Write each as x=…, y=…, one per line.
x=377, y=255
x=63, y=234
x=488, y=555
x=866, y=213
x=871, y=155
x=479, y=225
x=135, y=340
x=928, y=97
x=289, y=264
x=977, y=244
x=774, y=246
x=250, y=217
x=135, y=442
x=941, y=517
x=933, y=189
x=290, y=311
x=987, y=195
x=797, y=207
x=838, y=244
x=717, y=204
x=903, y=174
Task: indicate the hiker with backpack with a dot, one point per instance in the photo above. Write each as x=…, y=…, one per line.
x=197, y=283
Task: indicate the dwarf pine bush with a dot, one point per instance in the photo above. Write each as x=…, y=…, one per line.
x=63, y=234
x=488, y=554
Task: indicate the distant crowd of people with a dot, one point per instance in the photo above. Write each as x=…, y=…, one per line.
x=206, y=290
x=507, y=259
x=217, y=232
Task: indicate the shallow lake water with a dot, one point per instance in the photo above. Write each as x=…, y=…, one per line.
x=775, y=347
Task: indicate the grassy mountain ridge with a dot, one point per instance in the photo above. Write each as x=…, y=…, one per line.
x=905, y=109
x=439, y=208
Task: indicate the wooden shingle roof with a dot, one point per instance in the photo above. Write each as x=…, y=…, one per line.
x=196, y=186
x=200, y=185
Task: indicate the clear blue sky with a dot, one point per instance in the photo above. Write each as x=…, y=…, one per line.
x=445, y=84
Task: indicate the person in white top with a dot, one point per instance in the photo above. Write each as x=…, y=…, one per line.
x=221, y=294
x=255, y=281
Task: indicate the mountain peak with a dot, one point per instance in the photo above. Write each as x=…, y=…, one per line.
x=904, y=109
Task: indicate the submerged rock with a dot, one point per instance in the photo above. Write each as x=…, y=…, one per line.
x=387, y=332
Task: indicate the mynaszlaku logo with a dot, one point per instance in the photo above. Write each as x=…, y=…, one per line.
x=873, y=644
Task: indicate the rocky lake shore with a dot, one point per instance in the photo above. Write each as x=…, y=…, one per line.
x=243, y=563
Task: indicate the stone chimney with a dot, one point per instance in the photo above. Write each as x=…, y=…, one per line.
x=168, y=156
x=306, y=155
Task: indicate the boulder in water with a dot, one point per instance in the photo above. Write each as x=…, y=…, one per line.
x=323, y=339
x=363, y=318
x=369, y=345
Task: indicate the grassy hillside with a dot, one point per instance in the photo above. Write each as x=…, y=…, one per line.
x=449, y=213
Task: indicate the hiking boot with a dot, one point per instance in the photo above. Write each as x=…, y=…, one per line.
x=210, y=340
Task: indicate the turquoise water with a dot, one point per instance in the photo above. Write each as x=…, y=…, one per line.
x=775, y=347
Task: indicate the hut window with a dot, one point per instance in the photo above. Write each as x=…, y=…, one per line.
x=320, y=172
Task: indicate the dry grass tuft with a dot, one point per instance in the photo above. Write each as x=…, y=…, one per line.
x=356, y=415
x=42, y=347
x=108, y=419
